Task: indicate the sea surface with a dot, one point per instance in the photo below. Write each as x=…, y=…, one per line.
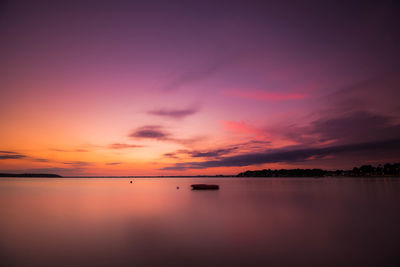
x=248, y=222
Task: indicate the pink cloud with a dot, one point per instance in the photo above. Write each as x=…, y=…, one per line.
x=240, y=127
x=264, y=96
x=245, y=128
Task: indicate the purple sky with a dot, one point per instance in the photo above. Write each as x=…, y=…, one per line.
x=197, y=87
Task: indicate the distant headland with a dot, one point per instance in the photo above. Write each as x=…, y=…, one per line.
x=45, y=175
x=388, y=169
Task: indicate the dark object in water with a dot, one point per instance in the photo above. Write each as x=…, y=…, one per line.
x=130, y=181
x=205, y=187
x=177, y=187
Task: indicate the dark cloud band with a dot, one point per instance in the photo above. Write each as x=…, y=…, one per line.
x=289, y=156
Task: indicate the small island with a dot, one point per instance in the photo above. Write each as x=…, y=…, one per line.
x=387, y=170
x=35, y=175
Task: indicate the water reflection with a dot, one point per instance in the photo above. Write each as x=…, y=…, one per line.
x=103, y=222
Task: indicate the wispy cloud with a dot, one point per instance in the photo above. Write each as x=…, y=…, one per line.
x=201, y=72
x=212, y=153
x=376, y=94
x=81, y=150
x=254, y=145
x=288, y=155
x=69, y=150
x=113, y=163
x=172, y=155
x=361, y=112
x=11, y=155
x=355, y=126
x=4, y=155
x=155, y=132
x=174, y=113
x=40, y=160
x=242, y=127
x=263, y=95
x=123, y=146
x=78, y=163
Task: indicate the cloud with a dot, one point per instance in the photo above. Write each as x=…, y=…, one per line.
x=78, y=163
x=364, y=111
x=15, y=155
x=253, y=145
x=201, y=154
x=356, y=126
x=69, y=150
x=113, y=163
x=201, y=72
x=81, y=150
x=174, y=113
x=123, y=146
x=40, y=160
x=11, y=155
x=263, y=95
x=241, y=127
x=358, y=123
x=170, y=155
x=254, y=142
x=157, y=132
x=58, y=150
x=288, y=155
x=211, y=153
x=150, y=132
x=377, y=94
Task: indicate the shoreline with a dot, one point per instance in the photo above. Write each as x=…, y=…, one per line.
x=222, y=177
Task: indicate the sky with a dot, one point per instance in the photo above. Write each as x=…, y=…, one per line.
x=197, y=87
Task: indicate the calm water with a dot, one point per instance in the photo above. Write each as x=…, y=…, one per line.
x=249, y=221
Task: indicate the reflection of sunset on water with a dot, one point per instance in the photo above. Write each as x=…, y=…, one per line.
x=252, y=220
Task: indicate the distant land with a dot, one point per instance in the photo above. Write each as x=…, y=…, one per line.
x=364, y=171
x=29, y=175
x=386, y=170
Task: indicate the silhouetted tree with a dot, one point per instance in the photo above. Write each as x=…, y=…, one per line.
x=365, y=170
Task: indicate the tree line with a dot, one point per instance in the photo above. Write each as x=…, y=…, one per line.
x=388, y=169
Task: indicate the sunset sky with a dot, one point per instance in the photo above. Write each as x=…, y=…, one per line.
x=197, y=87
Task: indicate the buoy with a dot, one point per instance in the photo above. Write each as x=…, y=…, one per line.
x=130, y=181
x=177, y=187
